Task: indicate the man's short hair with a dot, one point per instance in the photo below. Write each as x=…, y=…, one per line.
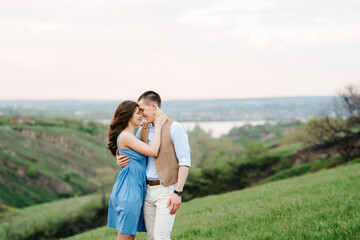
x=149, y=97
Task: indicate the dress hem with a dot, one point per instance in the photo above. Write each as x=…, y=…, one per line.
x=127, y=232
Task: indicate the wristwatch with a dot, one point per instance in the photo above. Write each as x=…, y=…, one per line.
x=178, y=193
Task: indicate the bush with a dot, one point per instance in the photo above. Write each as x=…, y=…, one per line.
x=31, y=172
x=68, y=176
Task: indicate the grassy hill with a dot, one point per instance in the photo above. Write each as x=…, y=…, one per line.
x=59, y=158
x=44, y=163
x=62, y=158
x=322, y=205
x=53, y=220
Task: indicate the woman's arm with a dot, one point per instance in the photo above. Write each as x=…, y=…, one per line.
x=132, y=142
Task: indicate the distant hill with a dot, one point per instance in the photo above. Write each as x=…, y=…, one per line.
x=39, y=163
x=284, y=108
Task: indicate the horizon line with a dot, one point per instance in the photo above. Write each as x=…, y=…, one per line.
x=205, y=99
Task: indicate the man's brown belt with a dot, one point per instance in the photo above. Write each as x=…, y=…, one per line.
x=153, y=183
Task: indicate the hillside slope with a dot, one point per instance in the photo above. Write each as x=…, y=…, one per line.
x=323, y=205
x=42, y=163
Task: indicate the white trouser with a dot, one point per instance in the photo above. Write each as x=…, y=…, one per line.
x=158, y=220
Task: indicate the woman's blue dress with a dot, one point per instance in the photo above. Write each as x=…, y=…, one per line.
x=126, y=205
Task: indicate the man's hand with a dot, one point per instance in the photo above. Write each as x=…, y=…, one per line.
x=122, y=160
x=144, y=124
x=174, y=203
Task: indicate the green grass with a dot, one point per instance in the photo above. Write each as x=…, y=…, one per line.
x=287, y=150
x=46, y=217
x=306, y=168
x=322, y=205
x=25, y=195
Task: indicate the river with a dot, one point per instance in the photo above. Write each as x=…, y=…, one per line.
x=219, y=128
x=216, y=128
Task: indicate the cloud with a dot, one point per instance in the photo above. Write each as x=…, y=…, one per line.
x=279, y=22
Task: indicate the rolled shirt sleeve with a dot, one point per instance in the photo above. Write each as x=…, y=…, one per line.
x=180, y=139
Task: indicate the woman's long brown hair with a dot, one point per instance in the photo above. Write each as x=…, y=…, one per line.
x=121, y=119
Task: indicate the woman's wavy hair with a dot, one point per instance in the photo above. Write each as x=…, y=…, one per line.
x=121, y=119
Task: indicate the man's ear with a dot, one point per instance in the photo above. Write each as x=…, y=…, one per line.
x=154, y=105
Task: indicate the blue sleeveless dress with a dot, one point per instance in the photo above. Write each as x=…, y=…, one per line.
x=126, y=205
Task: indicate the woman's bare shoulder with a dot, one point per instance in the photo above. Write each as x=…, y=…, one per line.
x=125, y=136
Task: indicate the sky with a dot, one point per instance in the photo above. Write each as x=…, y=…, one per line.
x=114, y=49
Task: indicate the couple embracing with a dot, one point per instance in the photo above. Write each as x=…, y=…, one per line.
x=155, y=164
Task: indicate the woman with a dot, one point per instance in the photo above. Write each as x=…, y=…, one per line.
x=126, y=206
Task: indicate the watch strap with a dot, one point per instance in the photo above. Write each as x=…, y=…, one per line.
x=178, y=193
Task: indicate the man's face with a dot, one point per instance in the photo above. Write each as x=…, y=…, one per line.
x=147, y=111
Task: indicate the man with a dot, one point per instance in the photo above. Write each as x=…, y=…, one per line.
x=166, y=174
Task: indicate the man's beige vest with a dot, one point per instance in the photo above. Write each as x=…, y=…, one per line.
x=166, y=163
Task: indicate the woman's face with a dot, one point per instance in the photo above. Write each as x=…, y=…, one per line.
x=136, y=118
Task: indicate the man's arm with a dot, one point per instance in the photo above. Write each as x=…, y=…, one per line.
x=182, y=176
x=175, y=200
x=182, y=150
